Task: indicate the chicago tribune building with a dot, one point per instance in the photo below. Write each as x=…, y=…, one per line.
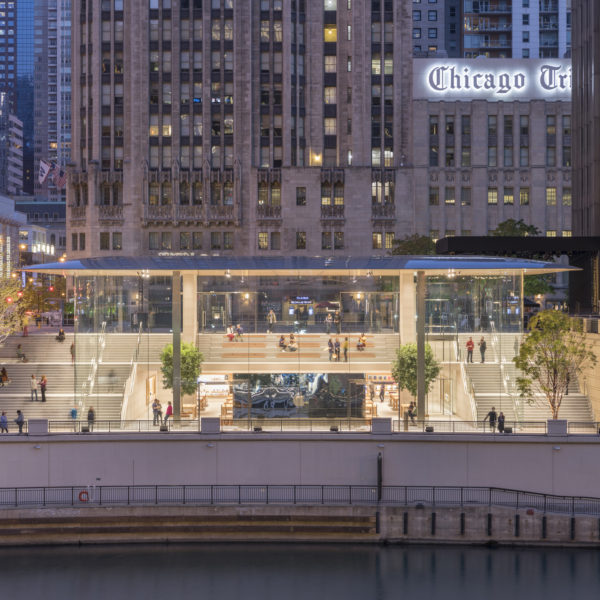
x=267, y=127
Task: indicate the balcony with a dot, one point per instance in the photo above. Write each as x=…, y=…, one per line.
x=383, y=211
x=158, y=214
x=77, y=213
x=335, y=211
x=194, y=212
x=110, y=213
x=266, y=212
x=220, y=213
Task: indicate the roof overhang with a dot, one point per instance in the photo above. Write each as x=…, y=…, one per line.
x=298, y=265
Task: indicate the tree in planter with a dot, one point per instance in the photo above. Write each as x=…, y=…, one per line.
x=404, y=368
x=552, y=354
x=415, y=245
x=191, y=367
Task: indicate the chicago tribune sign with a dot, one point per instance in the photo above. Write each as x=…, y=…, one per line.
x=492, y=79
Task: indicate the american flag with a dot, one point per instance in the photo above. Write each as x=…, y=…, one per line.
x=45, y=170
x=59, y=176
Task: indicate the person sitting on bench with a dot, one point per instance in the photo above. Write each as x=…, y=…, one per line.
x=61, y=335
x=230, y=333
x=362, y=342
x=293, y=345
x=282, y=343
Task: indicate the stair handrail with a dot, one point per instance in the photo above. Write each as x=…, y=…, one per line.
x=469, y=390
x=97, y=359
x=130, y=382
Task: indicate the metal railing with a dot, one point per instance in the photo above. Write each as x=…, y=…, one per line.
x=583, y=427
x=528, y=427
x=333, y=495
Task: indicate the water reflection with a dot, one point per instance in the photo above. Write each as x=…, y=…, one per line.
x=297, y=572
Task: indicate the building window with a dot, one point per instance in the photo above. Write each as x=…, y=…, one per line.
x=449, y=195
x=153, y=240
x=300, y=196
x=166, y=240
x=228, y=240
x=73, y=241
x=197, y=240
x=263, y=240
x=509, y=195
x=434, y=234
x=465, y=196
x=330, y=64
x=566, y=197
x=326, y=240
x=82, y=241
x=550, y=196
x=330, y=95
x=117, y=240
x=330, y=33
x=215, y=240
x=434, y=196
x=185, y=241
x=300, y=240
x=104, y=240
x=377, y=241
x=275, y=240
x=389, y=240
x=338, y=240
x=524, y=196
x=492, y=195
x=567, y=233
x=551, y=233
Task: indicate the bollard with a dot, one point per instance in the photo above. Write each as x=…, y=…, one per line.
x=517, y=525
x=544, y=527
x=405, y=524
x=489, y=524
x=462, y=523
x=432, y=523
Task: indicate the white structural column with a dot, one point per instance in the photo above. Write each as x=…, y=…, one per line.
x=190, y=309
x=408, y=308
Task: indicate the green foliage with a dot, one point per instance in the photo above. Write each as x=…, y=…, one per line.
x=537, y=284
x=10, y=316
x=404, y=368
x=554, y=352
x=519, y=228
x=191, y=367
x=415, y=245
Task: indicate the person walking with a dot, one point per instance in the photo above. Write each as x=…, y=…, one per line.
x=482, y=348
x=470, y=346
x=3, y=423
x=20, y=420
x=155, y=412
x=271, y=320
x=91, y=417
x=567, y=382
x=337, y=321
x=33, y=387
x=25, y=326
x=330, y=348
x=501, y=422
x=73, y=414
x=43, y=384
x=168, y=412
x=328, y=322
x=411, y=412
x=346, y=345
x=158, y=412
x=4, y=377
x=382, y=393
x=493, y=417
x=336, y=347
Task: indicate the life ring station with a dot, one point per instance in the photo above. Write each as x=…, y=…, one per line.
x=293, y=333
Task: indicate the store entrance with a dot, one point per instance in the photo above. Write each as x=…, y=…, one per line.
x=214, y=312
x=369, y=312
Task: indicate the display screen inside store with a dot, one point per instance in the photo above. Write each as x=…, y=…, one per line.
x=299, y=395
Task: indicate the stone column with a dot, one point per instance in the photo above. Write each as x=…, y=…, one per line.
x=408, y=307
x=190, y=308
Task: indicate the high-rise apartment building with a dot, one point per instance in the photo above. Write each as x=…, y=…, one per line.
x=586, y=118
x=52, y=88
x=516, y=28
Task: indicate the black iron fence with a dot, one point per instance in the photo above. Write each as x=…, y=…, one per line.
x=332, y=495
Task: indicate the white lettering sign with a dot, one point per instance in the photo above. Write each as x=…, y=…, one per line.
x=492, y=79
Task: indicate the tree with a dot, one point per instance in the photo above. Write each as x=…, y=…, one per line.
x=512, y=228
x=415, y=245
x=554, y=352
x=10, y=317
x=404, y=368
x=533, y=285
x=191, y=367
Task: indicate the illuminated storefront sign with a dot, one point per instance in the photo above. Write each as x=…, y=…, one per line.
x=492, y=79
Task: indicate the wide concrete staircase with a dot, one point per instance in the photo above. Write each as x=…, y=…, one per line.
x=494, y=384
x=260, y=353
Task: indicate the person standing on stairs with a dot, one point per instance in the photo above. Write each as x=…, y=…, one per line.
x=3, y=423
x=493, y=417
x=482, y=348
x=33, y=386
x=43, y=383
x=470, y=346
x=501, y=422
x=567, y=382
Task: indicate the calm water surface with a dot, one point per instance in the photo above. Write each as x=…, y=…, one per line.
x=265, y=572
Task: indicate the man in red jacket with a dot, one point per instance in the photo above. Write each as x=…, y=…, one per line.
x=470, y=346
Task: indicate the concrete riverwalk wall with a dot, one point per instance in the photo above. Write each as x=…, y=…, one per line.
x=563, y=465
x=346, y=524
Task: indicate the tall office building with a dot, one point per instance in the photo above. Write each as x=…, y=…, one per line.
x=586, y=118
x=516, y=28
x=52, y=88
x=11, y=149
x=255, y=126
x=24, y=105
